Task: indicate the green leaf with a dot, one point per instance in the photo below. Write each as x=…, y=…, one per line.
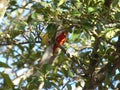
x=33, y=83
x=48, y=84
x=70, y=73
x=0, y=33
x=21, y=47
x=5, y=88
x=60, y=2
x=69, y=87
x=15, y=33
x=117, y=16
x=108, y=33
x=51, y=28
x=75, y=36
x=13, y=2
x=115, y=3
x=4, y=65
x=91, y=9
x=87, y=24
x=76, y=13
x=45, y=39
x=7, y=80
x=117, y=77
x=31, y=38
x=29, y=20
x=64, y=71
x=34, y=15
x=46, y=68
x=45, y=4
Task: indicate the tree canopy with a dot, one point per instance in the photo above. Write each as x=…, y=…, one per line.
x=89, y=59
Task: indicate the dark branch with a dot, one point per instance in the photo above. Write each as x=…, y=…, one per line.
x=16, y=43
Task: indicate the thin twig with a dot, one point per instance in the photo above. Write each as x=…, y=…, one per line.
x=16, y=43
x=65, y=84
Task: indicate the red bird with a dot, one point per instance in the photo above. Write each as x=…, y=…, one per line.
x=50, y=52
x=60, y=40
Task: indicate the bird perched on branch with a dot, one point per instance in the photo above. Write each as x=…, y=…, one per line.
x=51, y=51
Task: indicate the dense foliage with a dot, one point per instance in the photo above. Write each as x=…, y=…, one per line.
x=89, y=59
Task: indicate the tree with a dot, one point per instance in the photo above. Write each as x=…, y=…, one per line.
x=89, y=59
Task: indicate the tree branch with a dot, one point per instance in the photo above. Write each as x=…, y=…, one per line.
x=16, y=43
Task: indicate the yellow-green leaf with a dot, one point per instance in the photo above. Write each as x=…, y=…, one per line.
x=110, y=34
x=7, y=80
x=45, y=39
x=4, y=65
x=0, y=33
x=61, y=2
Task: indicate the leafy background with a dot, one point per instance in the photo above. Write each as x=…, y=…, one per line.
x=90, y=59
